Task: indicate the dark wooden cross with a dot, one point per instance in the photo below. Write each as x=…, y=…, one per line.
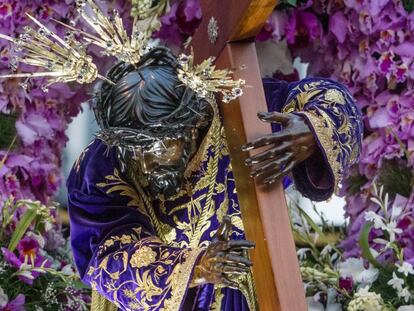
x=226, y=32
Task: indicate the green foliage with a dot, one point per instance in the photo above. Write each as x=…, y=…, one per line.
x=364, y=244
x=50, y=291
x=408, y=5
x=381, y=286
x=7, y=130
x=356, y=182
x=396, y=178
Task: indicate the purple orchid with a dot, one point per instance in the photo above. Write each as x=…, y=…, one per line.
x=17, y=304
x=302, y=28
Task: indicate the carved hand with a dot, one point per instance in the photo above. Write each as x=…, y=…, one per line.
x=292, y=145
x=222, y=259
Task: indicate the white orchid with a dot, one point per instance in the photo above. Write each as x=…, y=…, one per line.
x=406, y=268
x=354, y=268
x=314, y=303
x=396, y=282
x=406, y=308
x=405, y=294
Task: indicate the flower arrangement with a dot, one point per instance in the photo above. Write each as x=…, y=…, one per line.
x=35, y=268
x=36, y=272
x=333, y=281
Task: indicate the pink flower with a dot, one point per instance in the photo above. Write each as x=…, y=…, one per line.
x=28, y=247
x=338, y=25
x=17, y=304
x=302, y=28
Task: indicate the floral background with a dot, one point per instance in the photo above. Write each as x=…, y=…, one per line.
x=367, y=45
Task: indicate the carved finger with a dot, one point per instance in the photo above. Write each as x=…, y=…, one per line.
x=224, y=231
x=273, y=116
x=272, y=167
x=275, y=138
x=240, y=245
x=229, y=283
x=235, y=269
x=269, y=154
x=272, y=179
x=236, y=260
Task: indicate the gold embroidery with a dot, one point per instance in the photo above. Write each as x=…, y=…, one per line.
x=81, y=157
x=324, y=130
x=335, y=139
x=218, y=299
x=143, y=257
x=333, y=95
x=100, y=303
x=180, y=280
x=115, y=183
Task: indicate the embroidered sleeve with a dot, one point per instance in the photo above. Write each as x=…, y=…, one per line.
x=336, y=122
x=137, y=271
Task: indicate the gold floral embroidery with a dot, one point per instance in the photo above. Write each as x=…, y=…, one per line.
x=125, y=239
x=115, y=183
x=180, y=279
x=143, y=257
x=324, y=130
x=335, y=139
x=333, y=95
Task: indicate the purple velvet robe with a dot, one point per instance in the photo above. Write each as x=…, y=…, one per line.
x=140, y=253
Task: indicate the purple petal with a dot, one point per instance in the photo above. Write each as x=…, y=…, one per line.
x=338, y=25
x=11, y=258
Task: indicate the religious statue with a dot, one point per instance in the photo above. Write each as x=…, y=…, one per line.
x=154, y=211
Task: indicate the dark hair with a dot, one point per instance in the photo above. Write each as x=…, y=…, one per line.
x=147, y=95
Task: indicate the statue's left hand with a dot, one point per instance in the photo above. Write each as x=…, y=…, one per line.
x=292, y=145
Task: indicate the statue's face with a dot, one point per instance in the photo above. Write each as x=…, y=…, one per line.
x=163, y=162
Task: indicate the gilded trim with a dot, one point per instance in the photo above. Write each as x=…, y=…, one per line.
x=324, y=130
x=180, y=280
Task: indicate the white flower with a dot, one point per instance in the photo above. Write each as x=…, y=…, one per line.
x=366, y=301
x=392, y=229
x=302, y=253
x=406, y=308
x=26, y=274
x=3, y=298
x=376, y=219
x=406, y=268
x=405, y=294
x=396, y=282
x=315, y=305
x=354, y=268
x=326, y=250
x=67, y=270
x=48, y=225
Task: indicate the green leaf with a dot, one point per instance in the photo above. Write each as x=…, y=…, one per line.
x=310, y=221
x=21, y=228
x=7, y=130
x=364, y=244
x=408, y=5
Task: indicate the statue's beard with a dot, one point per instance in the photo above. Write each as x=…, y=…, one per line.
x=165, y=182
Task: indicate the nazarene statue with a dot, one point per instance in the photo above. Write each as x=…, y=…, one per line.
x=155, y=218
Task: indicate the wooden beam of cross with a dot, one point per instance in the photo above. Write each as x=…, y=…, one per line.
x=224, y=33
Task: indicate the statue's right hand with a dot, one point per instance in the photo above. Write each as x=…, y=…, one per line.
x=222, y=259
